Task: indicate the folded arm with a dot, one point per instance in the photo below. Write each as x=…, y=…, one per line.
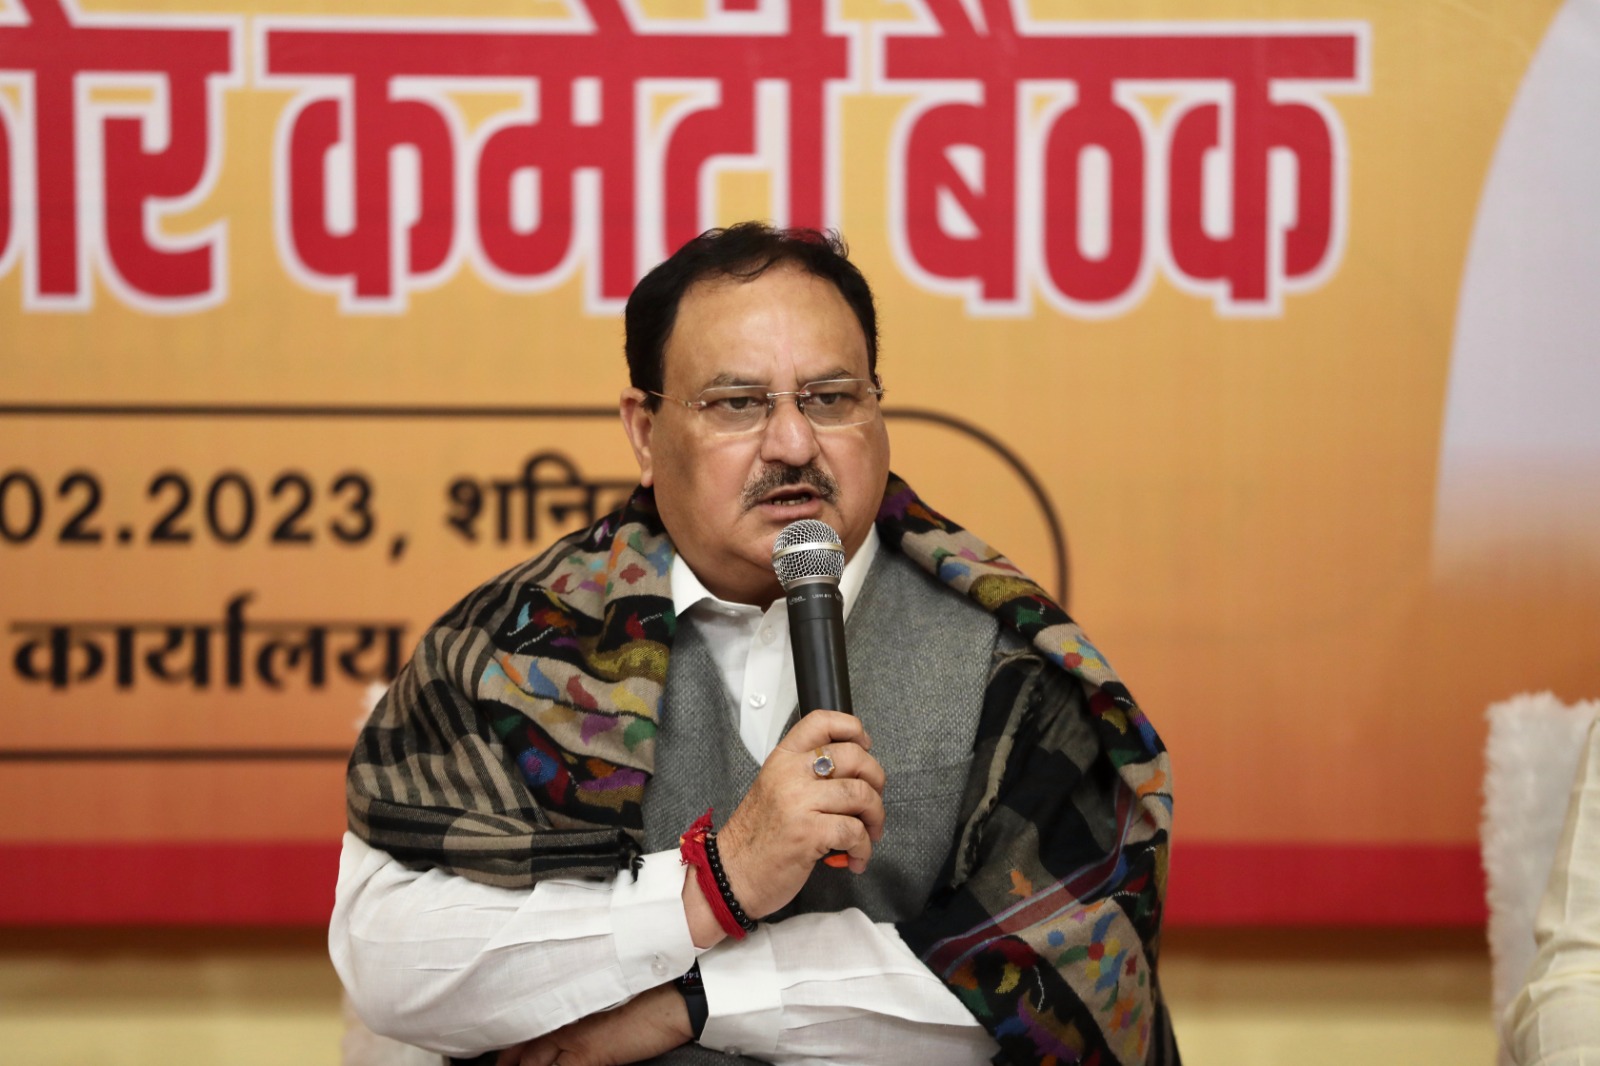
x=460, y=967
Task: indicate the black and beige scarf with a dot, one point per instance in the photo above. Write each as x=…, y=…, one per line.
x=518, y=742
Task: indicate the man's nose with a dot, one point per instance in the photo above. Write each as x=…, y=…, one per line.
x=788, y=436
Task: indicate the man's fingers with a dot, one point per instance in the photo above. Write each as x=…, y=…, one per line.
x=855, y=798
x=852, y=761
x=848, y=835
x=539, y=1052
x=546, y=1052
x=863, y=767
x=825, y=727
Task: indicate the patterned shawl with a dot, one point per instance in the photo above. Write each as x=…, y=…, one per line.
x=517, y=743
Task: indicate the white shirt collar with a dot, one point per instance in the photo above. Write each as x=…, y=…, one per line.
x=688, y=592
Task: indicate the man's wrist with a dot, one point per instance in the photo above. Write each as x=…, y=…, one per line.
x=704, y=929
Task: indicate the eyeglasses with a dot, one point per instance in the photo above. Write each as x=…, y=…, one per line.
x=832, y=404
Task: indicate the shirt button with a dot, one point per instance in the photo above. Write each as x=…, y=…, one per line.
x=658, y=965
x=734, y=1052
x=758, y=699
x=766, y=634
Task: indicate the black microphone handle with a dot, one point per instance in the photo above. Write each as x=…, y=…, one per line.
x=816, y=637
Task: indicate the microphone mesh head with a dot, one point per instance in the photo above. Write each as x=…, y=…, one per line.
x=807, y=548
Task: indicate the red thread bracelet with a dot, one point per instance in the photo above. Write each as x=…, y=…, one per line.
x=692, y=852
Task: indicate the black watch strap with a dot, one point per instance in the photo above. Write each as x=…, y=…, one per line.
x=694, y=998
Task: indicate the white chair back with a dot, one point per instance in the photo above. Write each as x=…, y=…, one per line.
x=1535, y=742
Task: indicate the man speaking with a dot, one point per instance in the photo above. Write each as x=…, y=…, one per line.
x=586, y=826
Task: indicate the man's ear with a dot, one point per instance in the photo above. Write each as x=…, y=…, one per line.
x=638, y=421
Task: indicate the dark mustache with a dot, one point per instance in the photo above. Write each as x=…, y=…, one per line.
x=776, y=477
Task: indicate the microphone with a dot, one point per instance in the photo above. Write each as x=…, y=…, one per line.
x=809, y=560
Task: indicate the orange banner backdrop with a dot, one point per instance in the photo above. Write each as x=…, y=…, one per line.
x=1261, y=340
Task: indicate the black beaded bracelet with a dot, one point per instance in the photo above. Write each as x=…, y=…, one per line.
x=746, y=923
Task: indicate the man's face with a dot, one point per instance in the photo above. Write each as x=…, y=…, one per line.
x=724, y=498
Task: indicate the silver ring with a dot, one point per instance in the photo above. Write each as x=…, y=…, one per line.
x=822, y=764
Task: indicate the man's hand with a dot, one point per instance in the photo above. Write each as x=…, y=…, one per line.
x=790, y=818
x=650, y=1024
